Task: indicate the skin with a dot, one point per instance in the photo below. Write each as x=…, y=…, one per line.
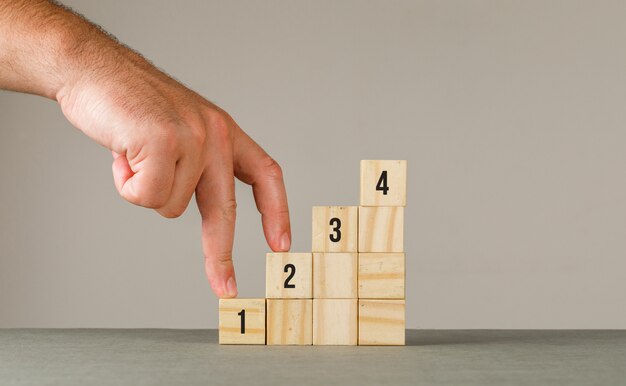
x=167, y=141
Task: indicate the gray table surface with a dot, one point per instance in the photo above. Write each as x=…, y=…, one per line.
x=193, y=357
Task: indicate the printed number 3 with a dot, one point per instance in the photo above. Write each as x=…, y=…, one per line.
x=292, y=268
x=382, y=183
x=336, y=223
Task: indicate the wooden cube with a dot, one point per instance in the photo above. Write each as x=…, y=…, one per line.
x=289, y=321
x=383, y=183
x=381, y=322
x=381, y=229
x=335, y=322
x=242, y=321
x=335, y=229
x=289, y=276
x=335, y=275
x=381, y=275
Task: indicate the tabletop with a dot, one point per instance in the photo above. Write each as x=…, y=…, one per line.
x=193, y=357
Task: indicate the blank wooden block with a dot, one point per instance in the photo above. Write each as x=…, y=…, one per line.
x=381, y=275
x=335, y=229
x=381, y=322
x=381, y=229
x=289, y=276
x=335, y=322
x=289, y=321
x=383, y=183
x=242, y=321
x=335, y=275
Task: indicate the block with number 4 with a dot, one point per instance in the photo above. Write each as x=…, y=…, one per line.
x=383, y=183
x=381, y=229
x=289, y=276
x=242, y=321
x=335, y=229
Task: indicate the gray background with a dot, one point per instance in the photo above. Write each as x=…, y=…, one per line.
x=511, y=115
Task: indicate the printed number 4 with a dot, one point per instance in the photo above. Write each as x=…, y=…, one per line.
x=382, y=183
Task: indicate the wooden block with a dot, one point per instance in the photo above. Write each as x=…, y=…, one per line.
x=383, y=183
x=335, y=228
x=289, y=321
x=335, y=322
x=335, y=275
x=289, y=276
x=381, y=275
x=381, y=322
x=242, y=321
x=381, y=229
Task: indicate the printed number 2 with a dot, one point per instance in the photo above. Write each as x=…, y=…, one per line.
x=292, y=268
x=382, y=183
x=243, y=321
x=336, y=223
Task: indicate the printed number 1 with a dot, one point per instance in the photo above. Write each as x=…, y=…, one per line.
x=243, y=321
x=382, y=183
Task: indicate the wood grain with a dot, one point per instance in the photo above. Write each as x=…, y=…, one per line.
x=230, y=321
x=275, y=276
x=289, y=321
x=335, y=322
x=322, y=229
x=371, y=171
x=335, y=275
x=381, y=275
x=381, y=322
x=381, y=229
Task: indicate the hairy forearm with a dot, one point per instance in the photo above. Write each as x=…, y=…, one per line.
x=45, y=47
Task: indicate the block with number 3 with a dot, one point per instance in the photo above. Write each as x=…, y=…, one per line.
x=383, y=183
x=242, y=321
x=334, y=228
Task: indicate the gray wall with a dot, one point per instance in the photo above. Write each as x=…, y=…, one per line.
x=511, y=115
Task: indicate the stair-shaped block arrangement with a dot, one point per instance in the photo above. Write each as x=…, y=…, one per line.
x=349, y=290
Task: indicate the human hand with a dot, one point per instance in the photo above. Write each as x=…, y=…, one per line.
x=167, y=142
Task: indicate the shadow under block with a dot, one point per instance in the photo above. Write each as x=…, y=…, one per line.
x=383, y=183
x=335, y=322
x=334, y=228
x=381, y=322
x=289, y=276
x=381, y=229
x=289, y=321
x=242, y=321
x=335, y=275
x=381, y=275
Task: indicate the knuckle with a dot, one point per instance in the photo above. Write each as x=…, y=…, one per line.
x=272, y=168
x=228, y=210
x=220, y=123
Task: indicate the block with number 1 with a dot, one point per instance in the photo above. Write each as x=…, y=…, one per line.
x=242, y=321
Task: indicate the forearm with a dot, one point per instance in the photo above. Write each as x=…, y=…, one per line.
x=45, y=47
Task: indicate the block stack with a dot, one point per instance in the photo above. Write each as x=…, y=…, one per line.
x=350, y=290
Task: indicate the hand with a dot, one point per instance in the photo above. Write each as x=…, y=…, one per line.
x=168, y=142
